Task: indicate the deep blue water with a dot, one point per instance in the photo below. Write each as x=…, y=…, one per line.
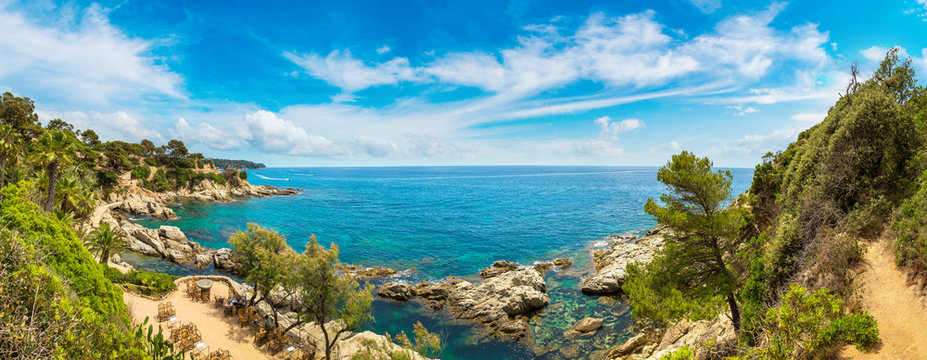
x=452, y=221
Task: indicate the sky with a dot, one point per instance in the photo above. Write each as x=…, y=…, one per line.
x=386, y=83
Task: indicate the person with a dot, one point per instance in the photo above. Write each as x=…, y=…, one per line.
x=268, y=322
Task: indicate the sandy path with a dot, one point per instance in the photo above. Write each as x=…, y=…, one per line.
x=899, y=312
x=218, y=331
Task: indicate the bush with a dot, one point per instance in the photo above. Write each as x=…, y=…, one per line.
x=683, y=353
x=243, y=175
x=910, y=225
x=141, y=172
x=151, y=162
x=810, y=325
x=67, y=255
x=151, y=283
x=860, y=329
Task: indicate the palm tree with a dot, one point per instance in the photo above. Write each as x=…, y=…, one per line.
x=104, y=240
x=54, y=149
x=9, y=146
x=74, y=196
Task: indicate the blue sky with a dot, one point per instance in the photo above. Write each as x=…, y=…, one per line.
x=367, y=83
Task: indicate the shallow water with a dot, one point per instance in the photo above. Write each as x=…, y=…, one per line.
x=453, y=221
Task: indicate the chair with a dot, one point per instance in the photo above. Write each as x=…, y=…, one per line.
x=200, y=347
x=219, y=301
x=280, y=341
x=261, y=337
x=242, y=317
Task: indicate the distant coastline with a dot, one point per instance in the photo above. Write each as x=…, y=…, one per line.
x=226, y=164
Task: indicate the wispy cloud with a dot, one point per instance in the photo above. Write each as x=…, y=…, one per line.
x=84, y=61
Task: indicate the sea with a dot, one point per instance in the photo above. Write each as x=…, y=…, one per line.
x=435, y=222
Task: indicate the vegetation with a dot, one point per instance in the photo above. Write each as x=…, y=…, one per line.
x=692, y=262
x=781, y=255
x=105, y=241
x=226, y=164
x=148, y=283
x=426, y=344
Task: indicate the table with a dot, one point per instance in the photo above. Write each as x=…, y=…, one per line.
x=172, y=321
x=204, y=285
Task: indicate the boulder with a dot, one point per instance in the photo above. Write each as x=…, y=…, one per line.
x=396, y=291
x=201, y=261
x=611, y=263
x=543, y=268
x=433, y=294
x=172, y=233
x=562, y=263
x=367, y=273
x=498, y=268
x=224, y=260
x=587, y=325
x=500, y=299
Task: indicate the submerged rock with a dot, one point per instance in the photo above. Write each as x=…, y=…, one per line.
x=367, y=273
x=611, y=263
x=562, y=263
x=586, y=326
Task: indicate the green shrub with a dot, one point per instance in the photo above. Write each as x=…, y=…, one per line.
x=860, y=329
x=66, y=254
x=683, y=353
x=243, y=175
x=151, y=161
x=141, y=172
x=910, y=225
x=151, y=283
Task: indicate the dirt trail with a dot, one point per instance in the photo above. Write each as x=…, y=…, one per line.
x=900, y=314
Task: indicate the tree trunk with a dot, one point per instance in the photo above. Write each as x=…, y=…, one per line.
x=328, y=346
x=104, y=256
x=52, y=179
x=735, y=311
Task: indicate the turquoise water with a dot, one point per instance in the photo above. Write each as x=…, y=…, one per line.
x=453, y=221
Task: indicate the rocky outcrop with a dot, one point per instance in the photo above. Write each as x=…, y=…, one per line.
x=498, y=268
x=562, y=263
x=396, y=291
x=705, y=337
x=145, y=205
x=500, y=301
x=611, y=263
x=167, y=242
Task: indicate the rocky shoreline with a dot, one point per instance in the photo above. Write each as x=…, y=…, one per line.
x=169, y=242
x=610, y=263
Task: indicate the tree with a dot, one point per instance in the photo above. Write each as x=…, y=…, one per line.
x=148, y=147
x=90, y=139
x=9, y=148
x=55, y=148
x=696, y=256
x=19, y=112
x=328, y=294
x=104, y=241
x=257, y=250
x=58, y=124
x=73, y=196
x=177, y=149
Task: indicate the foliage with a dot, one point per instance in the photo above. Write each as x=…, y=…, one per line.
x=105, y=241
x=141, y=172
x=67, y=257
x=330, y=295
x=655, y=302
x=152, y=283
x=705, y=231
x=910, y=226
x=243, y=175
x=259, y=251
x=683, y=353
x=226, y=164
x=54, y=150
x=809, y=324
x=19, y=112
x=158, y=347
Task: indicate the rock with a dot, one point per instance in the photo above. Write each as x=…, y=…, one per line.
x=570, y=352
x=396, y=291
x=587, y=325
x=201, y=261
x=143, y=205
x=433, y=294
x=629, y=347
x=500, y=299
x=611, y=263
x=719, y=332
x=116, y=259
x=543, y=268
x=367, y=273
x=498, y=268
x=224, y=260
x=172, y=233
x=562, y=263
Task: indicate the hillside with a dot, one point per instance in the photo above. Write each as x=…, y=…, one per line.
x=236, y=164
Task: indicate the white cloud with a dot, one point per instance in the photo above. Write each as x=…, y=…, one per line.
x=341, y=69
x=877, y=53
x=740, y=110
x=83, y=60
x=607, y=144
x=809, y=117
x=383, y=49
x=117, y=125
x=268, y=132
x=707, y=6
x=206, y=134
